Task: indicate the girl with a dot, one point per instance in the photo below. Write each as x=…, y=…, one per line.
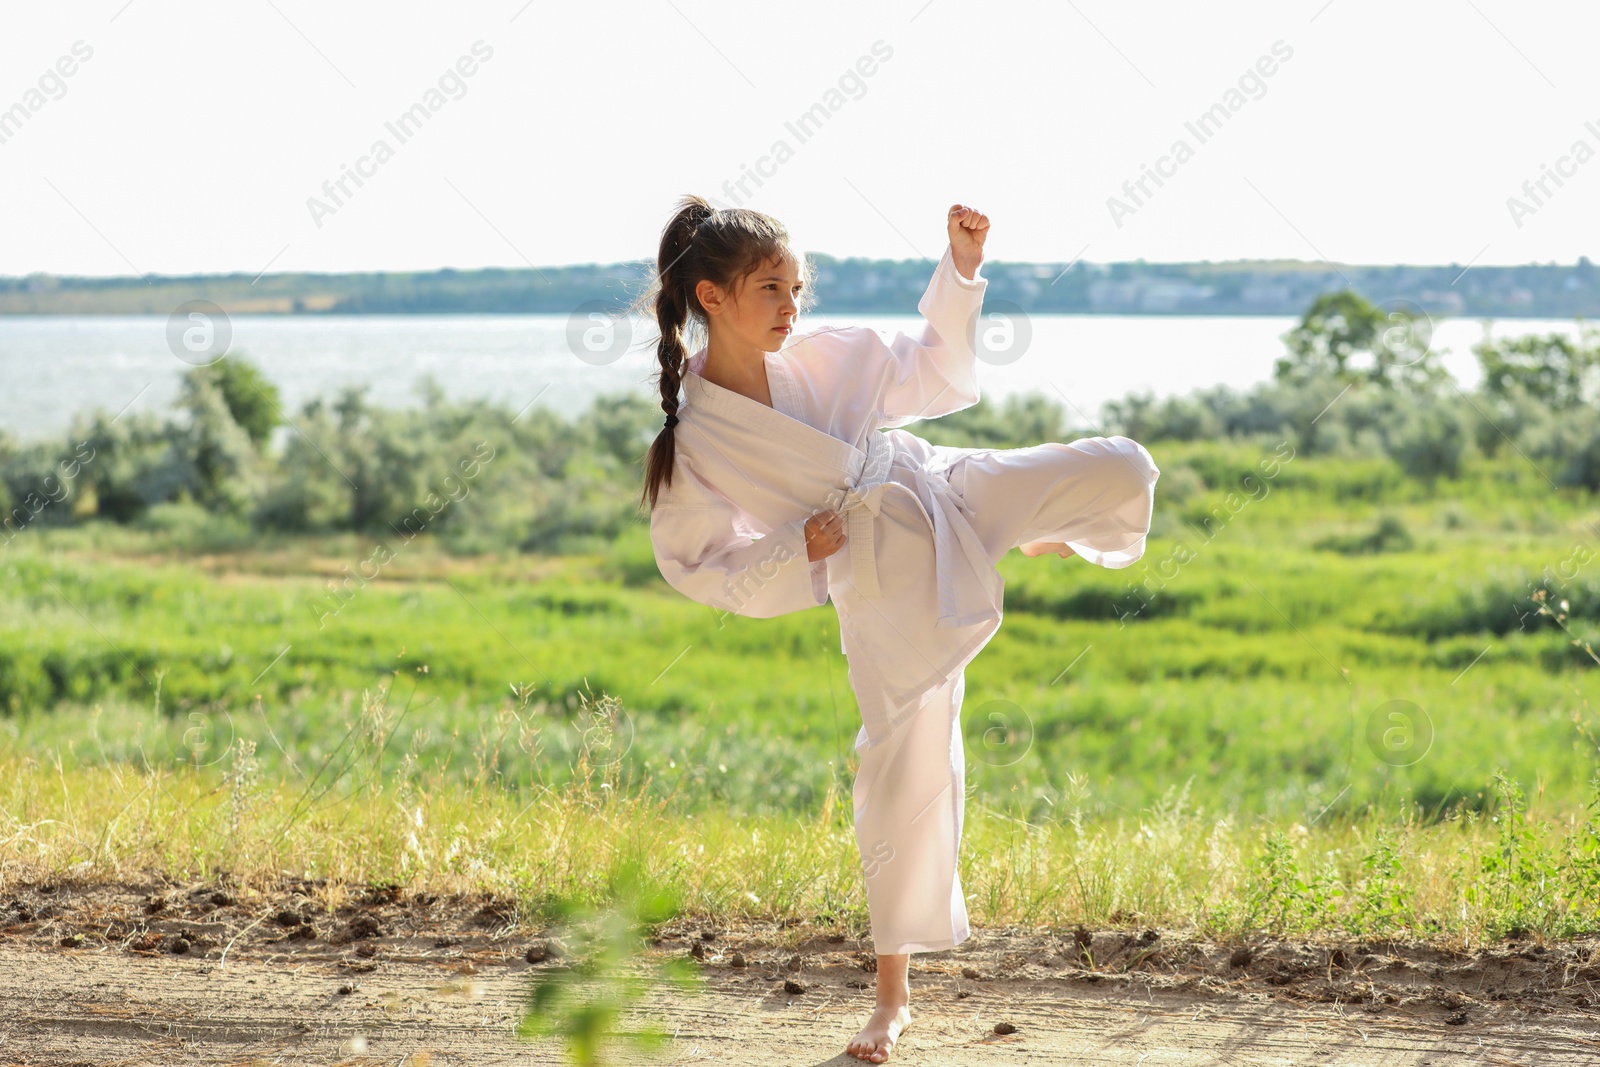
x=771, y=489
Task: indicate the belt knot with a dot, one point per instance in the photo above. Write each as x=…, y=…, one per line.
x=862, y=503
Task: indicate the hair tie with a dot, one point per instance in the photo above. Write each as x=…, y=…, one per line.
x=672, y=420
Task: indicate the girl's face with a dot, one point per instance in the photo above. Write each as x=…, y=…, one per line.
x=761, y=311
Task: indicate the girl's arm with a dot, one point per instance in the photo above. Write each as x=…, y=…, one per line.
x=936, y=373
x=706, y=550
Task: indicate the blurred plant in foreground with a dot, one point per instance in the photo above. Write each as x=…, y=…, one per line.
x=581, y=1001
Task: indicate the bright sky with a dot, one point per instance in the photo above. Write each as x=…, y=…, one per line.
x=192, y=136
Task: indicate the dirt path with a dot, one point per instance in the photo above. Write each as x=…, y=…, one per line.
x=442, y=982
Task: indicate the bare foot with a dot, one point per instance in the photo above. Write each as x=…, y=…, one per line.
x=879, y=1035
x=1039, y=548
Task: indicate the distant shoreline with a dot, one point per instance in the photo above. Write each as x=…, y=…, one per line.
x=68, y=315
x=855, y=286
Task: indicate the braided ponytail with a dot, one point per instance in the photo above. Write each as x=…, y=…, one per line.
x=699, y=242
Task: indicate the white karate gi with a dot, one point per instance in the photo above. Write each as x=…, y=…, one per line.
x=915, y=586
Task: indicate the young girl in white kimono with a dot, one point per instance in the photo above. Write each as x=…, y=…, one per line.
x=781, y=478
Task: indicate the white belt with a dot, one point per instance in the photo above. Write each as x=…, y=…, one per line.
x=862, y=503
x=969, y=589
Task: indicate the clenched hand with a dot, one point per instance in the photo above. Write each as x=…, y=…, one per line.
x=824, y=535
x=968, y=229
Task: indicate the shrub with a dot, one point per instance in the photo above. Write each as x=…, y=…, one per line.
x=1432, y=442
x=1390, y=535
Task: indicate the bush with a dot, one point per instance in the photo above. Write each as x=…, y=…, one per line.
x=136, y=464
x=193, y=527
x=251, y=400
x=571, y=482
x=1180, y=484
x=1390, y=535
x=1500, y=605
x=1512, y=415
x=1571, y=443
x=1018, y=422
x=1432, y=442
x=213, y=455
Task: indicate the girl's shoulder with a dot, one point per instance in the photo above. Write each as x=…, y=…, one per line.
x=829, y=355
x=833, y=339
x=819, y=331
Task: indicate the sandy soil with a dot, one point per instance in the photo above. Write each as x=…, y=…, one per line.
x=310, y=974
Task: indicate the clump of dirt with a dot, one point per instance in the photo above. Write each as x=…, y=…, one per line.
x=359, y=927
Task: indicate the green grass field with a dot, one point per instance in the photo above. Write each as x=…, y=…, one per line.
x=1332, y=663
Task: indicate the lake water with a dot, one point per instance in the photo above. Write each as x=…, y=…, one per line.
x=53, y=367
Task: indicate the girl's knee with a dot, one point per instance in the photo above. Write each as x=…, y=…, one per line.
x=1142, y=453
x=1129, y=457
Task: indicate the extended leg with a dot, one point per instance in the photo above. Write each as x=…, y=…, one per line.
x=1094, y=496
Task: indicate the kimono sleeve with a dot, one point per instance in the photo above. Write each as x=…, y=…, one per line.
x=936, y=373
x=706, y=550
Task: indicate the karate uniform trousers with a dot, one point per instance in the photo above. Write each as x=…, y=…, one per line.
x=1096, y=495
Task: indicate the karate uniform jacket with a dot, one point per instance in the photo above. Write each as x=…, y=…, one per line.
x=916, y=594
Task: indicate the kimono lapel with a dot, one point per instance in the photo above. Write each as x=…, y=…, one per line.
x=804, y=468
x=817, y=469
x=780, y=426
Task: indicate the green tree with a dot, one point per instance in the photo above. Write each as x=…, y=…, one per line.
x=1552, y=368
x=1345, y=338
x=219, y=463
x=251, y=399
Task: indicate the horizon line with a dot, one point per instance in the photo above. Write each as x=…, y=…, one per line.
x=150, y=276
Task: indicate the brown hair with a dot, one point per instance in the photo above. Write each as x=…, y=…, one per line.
x=701, y=242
